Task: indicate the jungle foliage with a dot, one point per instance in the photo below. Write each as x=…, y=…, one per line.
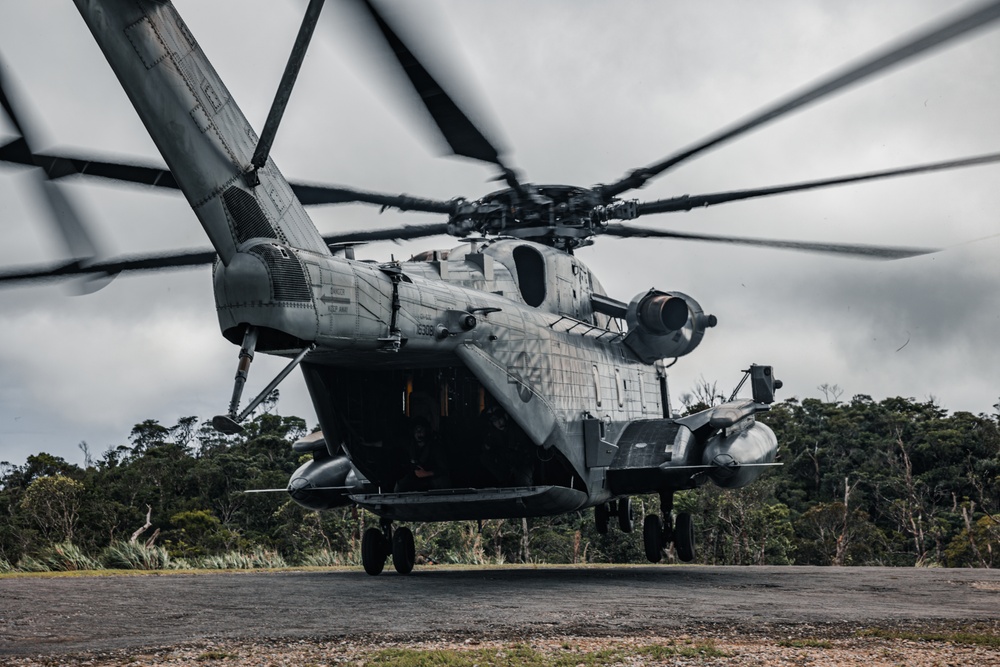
x=893, y=482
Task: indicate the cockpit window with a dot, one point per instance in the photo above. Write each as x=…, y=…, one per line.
x=530, y=267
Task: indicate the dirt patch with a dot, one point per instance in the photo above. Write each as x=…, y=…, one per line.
x=703, y=647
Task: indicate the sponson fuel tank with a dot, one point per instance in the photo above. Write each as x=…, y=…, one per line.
x=324, y=482
x=737, y=459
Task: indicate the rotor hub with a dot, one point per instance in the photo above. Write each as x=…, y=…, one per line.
x=563, y=216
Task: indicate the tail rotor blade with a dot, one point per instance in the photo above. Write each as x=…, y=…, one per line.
x=72, y=231
x=79, y=243
x=7, y=106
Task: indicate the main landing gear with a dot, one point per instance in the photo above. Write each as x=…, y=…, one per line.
x=657, y=533
x=230, y=423
x=377, y=544
x=622, y=508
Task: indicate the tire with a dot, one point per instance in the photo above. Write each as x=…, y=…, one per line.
x=626, y=519
x=601, y=517
x=652, y=538
x=404, y=554
x=684, y=537
x=373, y=551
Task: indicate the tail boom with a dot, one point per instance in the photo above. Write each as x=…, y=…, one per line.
x=202, y=135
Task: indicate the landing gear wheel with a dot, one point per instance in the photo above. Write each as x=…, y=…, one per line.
x=684, y=537
x=626, y=519
x=652, y=538
x=601, y=517
x=373, y=551
x=404, y=554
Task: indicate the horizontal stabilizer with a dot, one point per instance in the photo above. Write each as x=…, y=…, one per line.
x=311, y=488
x=712, y=467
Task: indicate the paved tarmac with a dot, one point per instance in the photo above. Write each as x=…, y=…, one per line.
x=108, y=613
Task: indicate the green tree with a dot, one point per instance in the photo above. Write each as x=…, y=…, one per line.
x=830, y=534
x=739, y=527
x=53, y=504
x=978, y=544
x=197, y=533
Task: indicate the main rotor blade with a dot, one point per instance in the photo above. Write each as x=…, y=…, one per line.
x=151, y=262
x=688, y=202
x=190, y=258
x=850, y=249
x=459, y=131
x=62, y=166
x=326, y=194
x=872, y=65
x=398, y=234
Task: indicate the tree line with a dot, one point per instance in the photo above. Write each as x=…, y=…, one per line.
x=863, y=482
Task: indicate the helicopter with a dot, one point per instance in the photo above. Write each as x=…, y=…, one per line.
x=510, y=322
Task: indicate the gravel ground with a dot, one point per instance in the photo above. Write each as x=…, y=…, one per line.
x=634, y=615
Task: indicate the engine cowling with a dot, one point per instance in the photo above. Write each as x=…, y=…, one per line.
x=665, y=324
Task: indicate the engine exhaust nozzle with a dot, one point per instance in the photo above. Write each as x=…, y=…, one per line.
x=663, y=313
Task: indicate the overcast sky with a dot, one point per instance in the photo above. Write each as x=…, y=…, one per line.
x=579, y=92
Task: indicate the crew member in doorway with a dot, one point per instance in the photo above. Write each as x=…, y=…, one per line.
x=507, y=454
x=428, y=469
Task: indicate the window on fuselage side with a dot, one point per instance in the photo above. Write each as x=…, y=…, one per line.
x=530, y=267
x=620, y=388
x=597, y=385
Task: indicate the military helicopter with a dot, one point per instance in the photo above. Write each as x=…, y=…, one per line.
x=507, y=339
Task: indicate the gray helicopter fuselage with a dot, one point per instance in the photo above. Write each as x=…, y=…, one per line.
x=551, y=364
x=509, y=323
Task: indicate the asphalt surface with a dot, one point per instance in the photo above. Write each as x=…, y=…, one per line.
x=108, y=613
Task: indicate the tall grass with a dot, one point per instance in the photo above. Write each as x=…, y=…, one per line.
x=67, y=557
x=135, y=556
x=31, y=564
x=182, y=564
x=327, y=558
x=239, y=560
